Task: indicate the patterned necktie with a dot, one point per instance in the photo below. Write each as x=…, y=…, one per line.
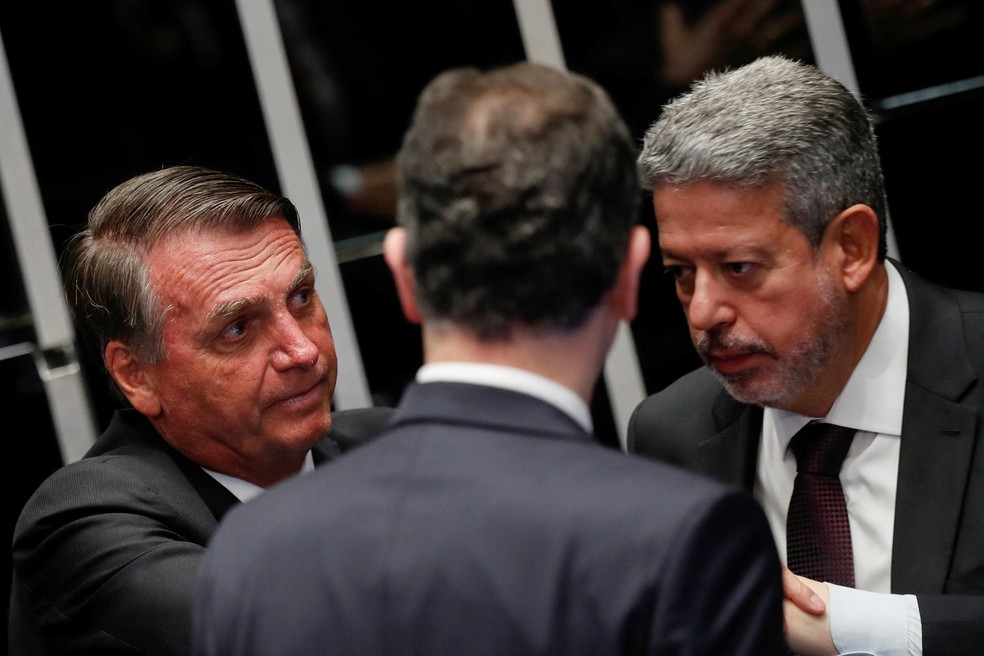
x=818, y=536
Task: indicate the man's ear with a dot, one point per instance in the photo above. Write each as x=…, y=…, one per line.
x=133, y=377
x=394, y=252
x=853, y=238
x=625, y=293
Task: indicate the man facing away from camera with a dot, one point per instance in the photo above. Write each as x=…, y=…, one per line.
x=487, y=519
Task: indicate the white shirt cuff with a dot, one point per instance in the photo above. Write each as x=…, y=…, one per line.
x=874, y=623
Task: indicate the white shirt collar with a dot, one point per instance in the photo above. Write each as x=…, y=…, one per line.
x=244, y=490
x=510, y=378
x=874, y=395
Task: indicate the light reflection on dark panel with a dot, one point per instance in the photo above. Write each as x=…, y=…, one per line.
x=358, y=66
x=31, y=447
x=903, y=47
x=108, y=90
x=111, y=89
x=920, y=68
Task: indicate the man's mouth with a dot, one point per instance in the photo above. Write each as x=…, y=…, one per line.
x=731, y=362
x=301, y=395
x=730, y=355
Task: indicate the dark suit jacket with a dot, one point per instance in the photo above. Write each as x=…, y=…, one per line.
x=488, y=522
x=107, y=549
x=938, y=546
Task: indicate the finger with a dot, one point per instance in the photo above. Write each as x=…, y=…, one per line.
x=798, y=592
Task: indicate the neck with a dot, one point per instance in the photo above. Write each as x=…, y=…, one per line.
x=262, y=469
x=572, y=359
x=866, y=307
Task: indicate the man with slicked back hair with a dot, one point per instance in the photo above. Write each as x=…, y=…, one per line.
x=193, y=287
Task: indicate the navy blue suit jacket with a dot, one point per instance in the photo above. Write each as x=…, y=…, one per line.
x=938, y=546
x=485, y=521
x=107, y=549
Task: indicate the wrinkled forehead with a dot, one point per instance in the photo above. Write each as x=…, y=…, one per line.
x=205, y=264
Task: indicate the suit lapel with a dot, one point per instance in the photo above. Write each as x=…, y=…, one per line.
x=131, y=430
x=938, y=435
x=731, y=455
x=216, y=496
x=934, y=465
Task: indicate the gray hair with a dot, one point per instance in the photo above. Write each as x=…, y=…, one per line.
x=774, y=120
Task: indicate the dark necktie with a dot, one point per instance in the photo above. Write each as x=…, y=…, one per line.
x=818, y=536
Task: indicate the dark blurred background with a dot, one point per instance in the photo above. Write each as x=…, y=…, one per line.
x=107, y=89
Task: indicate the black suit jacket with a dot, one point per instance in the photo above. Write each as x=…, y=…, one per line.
x=938, y=546
x=488, y=522
x=106, y=551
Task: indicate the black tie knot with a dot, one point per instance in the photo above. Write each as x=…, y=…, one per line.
x=821, y=448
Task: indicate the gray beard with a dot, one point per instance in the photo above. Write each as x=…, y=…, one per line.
x=792, y=374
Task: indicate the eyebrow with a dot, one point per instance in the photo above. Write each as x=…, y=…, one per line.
x=232, y=308
x=734, y=252
x=305, y=272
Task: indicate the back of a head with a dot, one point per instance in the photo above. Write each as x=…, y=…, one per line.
x=518, y=192
x=773, y=120
x=106, y=281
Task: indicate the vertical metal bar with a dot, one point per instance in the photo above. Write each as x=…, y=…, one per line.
x=833, y=55
x=299, y=180
x=58, y=366
x=829, y=41
x=623, y=375
x=539, y=31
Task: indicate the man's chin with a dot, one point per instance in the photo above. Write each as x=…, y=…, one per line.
x=750, y=388
x=308, y=431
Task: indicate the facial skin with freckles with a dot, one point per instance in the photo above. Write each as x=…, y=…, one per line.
x=767, y=313
x=246, y=385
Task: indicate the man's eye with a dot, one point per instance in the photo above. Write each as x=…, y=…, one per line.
x=674, y=270
x=302, y=295
x=739, y=267
x=234, y=330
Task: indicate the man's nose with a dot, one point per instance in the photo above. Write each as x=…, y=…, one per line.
x=294, y=348
x=711, y=304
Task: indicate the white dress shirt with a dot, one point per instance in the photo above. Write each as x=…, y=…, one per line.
x=865, y=619
x=510, y=378
x=244, y=490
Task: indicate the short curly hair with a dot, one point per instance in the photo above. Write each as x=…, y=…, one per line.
x=518, y=192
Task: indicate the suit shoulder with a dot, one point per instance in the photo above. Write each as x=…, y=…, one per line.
x=125, y=480
x=936, y=310
x=350, y=428
x=682, y=411
x=698, y=386
x=927, y=292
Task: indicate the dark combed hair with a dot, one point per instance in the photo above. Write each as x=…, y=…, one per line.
x=106, y=279
x=518, y=192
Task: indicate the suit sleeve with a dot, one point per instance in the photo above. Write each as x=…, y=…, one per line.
x=724, y=590
x=105, y=562
x=952, y=625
